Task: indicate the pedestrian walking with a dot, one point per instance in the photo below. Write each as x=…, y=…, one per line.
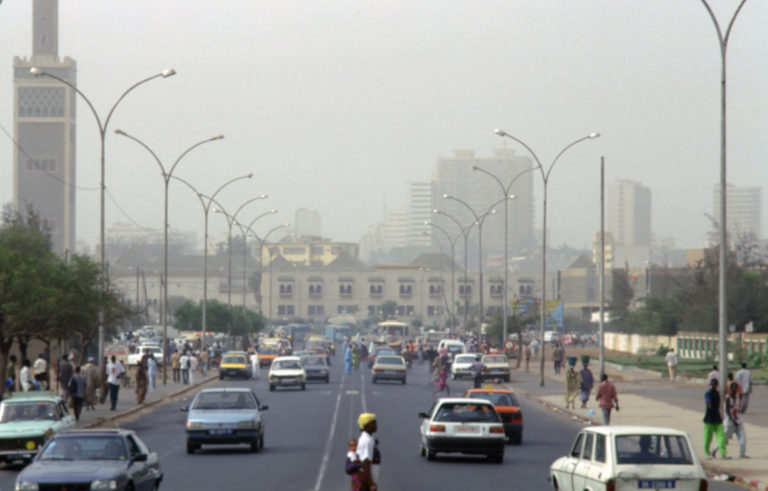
x=587, y=381
x=26, y=382
x=713, y=421
x=77, y=386
x=152, y=367
x=478, y=367
x=606, y=398
x=734, y=423
x=176, y=366
x=66, y=370
x=348, y=358
x=534, y=347
x=744, y=378
x=10, y=373
x=355, y=357
x=204, y=360
x=368, y=451
x=142, y=382
x=115, y=372
x=255, y=365
x=442, y=380
x=671, y=361
x=91, y=373
x=193, y=364
x=528, y=354
x=184, y=366
x=40, y=368
x=558, y=354
x=572, y=383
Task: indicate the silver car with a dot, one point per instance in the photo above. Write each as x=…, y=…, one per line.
x=225, y=416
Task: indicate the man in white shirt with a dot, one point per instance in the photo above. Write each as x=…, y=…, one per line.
x=41, y=371
x=115, y=371
x=744, y=378
x=185, y=364
x=367, y=451
x=671, y=361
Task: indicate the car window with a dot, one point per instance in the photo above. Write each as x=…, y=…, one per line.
x=133, y=448
x=234, y=359
x=599, y=454
x=28, y=411
x=85, y=447
x=461, y=412
x=498, y=399
x=63, y=410
x=224, y=400
x=495, y=359
x=586, y=454
x=465, y=359
x=652, y=449
x=143, y=448
x=390, y=360
x=576, y=448
x=288, y=365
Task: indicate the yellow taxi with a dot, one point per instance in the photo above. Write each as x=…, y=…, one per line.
x=234, y=364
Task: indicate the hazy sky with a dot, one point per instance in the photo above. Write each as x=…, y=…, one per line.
x=335, y=106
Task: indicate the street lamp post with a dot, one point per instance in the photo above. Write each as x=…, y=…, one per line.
x=506, y=192
x=465, y=233
x=722, y=306
x=167, y=179
x=451, y=240
x=243, y=229
x=39, y=72
x=545, y=179
x=207, y=202
x=262, y=241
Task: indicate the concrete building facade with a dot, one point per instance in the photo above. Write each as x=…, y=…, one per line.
x=744, y=208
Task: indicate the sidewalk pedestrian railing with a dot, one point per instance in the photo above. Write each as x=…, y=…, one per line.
x=706, y=347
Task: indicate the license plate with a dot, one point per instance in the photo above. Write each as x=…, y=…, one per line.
x=391, y=372
x=220, y=432
x=467, y=429
x=662, y=484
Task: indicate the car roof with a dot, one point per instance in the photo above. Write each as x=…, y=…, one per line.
x=292, y=358
x=234, y=353
x=226, y=389
x=389, y=356
x=95, y=432
x=32, y=396
x=462, y=400
x=635, y=430
x=490, y=391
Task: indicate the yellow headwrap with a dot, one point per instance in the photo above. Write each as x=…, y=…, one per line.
x=364, y=419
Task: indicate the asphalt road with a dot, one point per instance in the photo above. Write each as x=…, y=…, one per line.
x=307, y=434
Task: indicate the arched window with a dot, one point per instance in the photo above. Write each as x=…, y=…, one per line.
x=408, y=289
x=379, y=289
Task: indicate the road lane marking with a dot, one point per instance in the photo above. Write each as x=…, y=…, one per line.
x=352, y=392
x=327, y=453
x=362, y=392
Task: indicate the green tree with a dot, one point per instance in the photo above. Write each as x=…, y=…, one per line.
x=621, y=297
x=388, y=309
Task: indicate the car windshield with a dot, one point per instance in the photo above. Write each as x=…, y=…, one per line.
x=234, y=359
x=27, y=411
x=267, y=351
x=390, y=360
x=314, y=361
x=465, y=359
x=652, y=449
x=455, y=348
x=288, y=365
x=498, y=399
x=495, y=359
x=464, y=412
x=85, y=447
x=386, y=352
x=224, y=400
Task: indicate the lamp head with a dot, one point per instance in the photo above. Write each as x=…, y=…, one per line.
x=217, y=137
x=263, y=196
x=435, y=211
x=118, y=131
x=273, y=211
x=474, y=167
x=447, y=196
x=36, y=71
x=512, y=196
x=168, y=72
x=500, y=132
x=592, y=136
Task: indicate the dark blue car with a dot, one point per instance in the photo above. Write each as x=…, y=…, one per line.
x=109, y=459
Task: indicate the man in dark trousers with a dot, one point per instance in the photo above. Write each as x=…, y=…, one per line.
x=478, y=367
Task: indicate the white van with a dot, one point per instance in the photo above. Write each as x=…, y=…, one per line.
x=454, y=347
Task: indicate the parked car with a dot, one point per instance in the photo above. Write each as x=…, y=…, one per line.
x=112, y=459
x=287, y=371
x=225, y=416
x=619, y=458
x=459, y=425
x=27, y=421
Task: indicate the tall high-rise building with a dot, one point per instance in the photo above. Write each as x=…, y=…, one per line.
x=419, y=210
x=307, y=223
x=44, y=130
x=744, y=208
x=455, y=176
x=628, y=213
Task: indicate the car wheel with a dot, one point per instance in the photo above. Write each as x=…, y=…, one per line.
x=496, y=457
x=373, y=380
x=506, y=379
x=517, y=438
x=191, y=447
x=221, y=377
x=403, y=382
x=255, y=446
x=421, y=451
x=271, y=387
x=303, y=387
x=327, y=380
x=431, y=454
x=129, y=487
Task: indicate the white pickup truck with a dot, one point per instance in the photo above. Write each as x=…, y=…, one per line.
x=134, y=358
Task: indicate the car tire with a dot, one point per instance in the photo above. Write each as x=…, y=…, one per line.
x=373, y=380
x=430, y=454
x=255, y=446
x=517, y=438
x=403, y=382
x=327, y=380
x=506, y=379
x=191, y=447
x=497, y=458
x=422, y=452
x=303, y=387
x=271, y=387
x=221, y=377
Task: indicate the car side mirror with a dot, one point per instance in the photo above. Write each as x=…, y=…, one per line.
x=141, y=457
x=423, y=415
x=264, y=408
x=184, y=409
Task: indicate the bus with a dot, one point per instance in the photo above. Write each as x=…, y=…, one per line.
x=393, y=333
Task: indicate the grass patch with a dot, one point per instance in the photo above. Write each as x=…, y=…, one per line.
x=685, y=367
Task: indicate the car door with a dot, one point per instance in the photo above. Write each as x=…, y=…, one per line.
x=599, y=469
x=565, y=473
x=582, y=468
x=138, y=471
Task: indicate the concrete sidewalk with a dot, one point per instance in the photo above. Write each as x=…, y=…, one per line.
x=126, y=402
x=647, y=399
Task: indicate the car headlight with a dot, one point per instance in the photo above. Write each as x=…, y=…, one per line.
x=194, y=424
x=26, y=486
x=246, y=424
x=103, y=484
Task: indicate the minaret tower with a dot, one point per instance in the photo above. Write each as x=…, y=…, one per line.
x=44, y=131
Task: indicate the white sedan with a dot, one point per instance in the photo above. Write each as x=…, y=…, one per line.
x=462, y=425
x=620, y=458
x=287, y=371
x=462, y=366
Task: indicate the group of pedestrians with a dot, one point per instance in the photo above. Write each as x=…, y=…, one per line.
x=78, y=383
x=737, y=391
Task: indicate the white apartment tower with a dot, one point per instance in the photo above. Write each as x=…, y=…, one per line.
x=744, y=207
x=628, y=213
x=419, y=210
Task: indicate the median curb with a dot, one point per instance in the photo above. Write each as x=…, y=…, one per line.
x=146, y=405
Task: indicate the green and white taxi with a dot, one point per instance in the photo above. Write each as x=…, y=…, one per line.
x=27, y=421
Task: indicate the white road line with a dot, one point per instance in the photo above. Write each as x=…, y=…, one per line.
x=327, y=453
x=362, y=391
